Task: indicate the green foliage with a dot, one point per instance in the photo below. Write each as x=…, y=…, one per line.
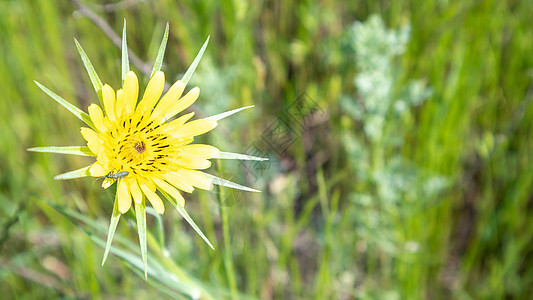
x=412, y=179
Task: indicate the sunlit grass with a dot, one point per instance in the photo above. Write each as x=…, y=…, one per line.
x=301, y=237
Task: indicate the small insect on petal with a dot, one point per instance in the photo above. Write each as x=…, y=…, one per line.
x=117, y=175
x=110, y=178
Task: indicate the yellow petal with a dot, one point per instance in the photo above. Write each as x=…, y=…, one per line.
x=120, y=105
x=97, y=170
x=95, y=112
x=107, y=122
x=136, y=192
x=153, y=91
x=179, y=182
x=183, y=103
x=171, y=97
x=104, y=159
x=89, y=134
x=182, y=141
x=195, y=178
x=170, y=190
x=107, y=182
x=194, y=163
x=154, y=199
x=109, y=101
x=94, y=143
x=131, y=91
x=173, y=125
x=124, y=197
x=199, y=151
x=194, y=128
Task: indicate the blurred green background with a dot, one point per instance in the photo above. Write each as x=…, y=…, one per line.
x=399, y=132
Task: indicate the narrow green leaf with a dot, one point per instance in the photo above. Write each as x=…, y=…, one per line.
x=227, y=183
x=178, y=282
x=140, y=214
x=94, y=225
x=192, y=68
x=67, y=213
x=228, y=113
x=83, y=172
x=125, y=59
x=161, y=53
x=89, y=226
x=97, y=84
x=75, y=150
x=188, y=218
x=73, y=109
x=115, y=216
x=160, y=229
x=238, y=156
x=158, y=284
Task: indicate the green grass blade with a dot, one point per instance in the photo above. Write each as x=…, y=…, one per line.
x=125, y=59
x=115, y=217
x=227, y=183
x=83, y=172
x=192, y=68
x=97, y=84
x=91, y=227
x=180, y=283
x=160, y=229
x=73, y=109
x=188, y=218
x=140, y=214
x=228, y=113
x=95, y=226
x=75, y=150
x=161, y=53
x=70, y=215
x=238, y=156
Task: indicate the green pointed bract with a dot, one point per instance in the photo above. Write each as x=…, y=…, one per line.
x=228, y=113
x=192, y=68
x=227, y=183
x=140, y=214
x=125, y=59
x=83, y=172
x=115, y=216
x=188, y=218
x=238, y=156
x=97, y=83
x=74, y=150
x=161, y=53
x=73, y=109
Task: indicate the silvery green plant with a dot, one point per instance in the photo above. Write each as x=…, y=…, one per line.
x=389, y=187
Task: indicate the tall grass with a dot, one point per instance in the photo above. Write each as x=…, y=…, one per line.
x=396, y=193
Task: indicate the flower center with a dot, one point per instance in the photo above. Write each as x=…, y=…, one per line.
x=140, y=146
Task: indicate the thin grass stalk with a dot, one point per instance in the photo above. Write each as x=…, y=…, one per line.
x=228, y=258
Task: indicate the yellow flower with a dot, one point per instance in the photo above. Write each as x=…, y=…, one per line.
x=140, y=145
x=136, y=141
